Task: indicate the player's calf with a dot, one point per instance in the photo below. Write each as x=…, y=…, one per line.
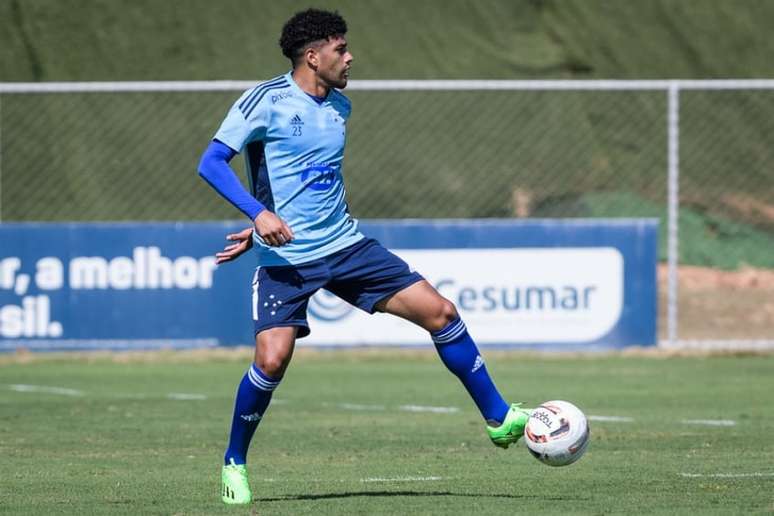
x=460, y=355
x=253, y=397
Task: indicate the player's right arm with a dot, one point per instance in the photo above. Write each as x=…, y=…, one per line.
x=272, y=229
x=235, y=132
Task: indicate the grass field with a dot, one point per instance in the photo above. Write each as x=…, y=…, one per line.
x=383, y=433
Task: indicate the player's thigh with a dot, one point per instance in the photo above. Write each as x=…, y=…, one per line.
x=367, y=273
x=421, y=304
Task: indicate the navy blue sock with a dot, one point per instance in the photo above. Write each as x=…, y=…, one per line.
x=460, y=355
x=252, y=398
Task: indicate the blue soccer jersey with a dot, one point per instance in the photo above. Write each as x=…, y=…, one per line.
x=294, y=150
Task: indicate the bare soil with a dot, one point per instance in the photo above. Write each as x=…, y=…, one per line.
x=243, y=355
x=720, y=305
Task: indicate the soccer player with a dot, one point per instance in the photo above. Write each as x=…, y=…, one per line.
x=292, y=130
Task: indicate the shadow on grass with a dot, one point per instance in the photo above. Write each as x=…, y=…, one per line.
x=353, y=494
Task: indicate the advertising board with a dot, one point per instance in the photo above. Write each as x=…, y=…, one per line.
x=532, y=284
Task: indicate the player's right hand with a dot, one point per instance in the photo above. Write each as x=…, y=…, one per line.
x=272, y=229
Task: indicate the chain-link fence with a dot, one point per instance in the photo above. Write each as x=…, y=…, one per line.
x=445, y=149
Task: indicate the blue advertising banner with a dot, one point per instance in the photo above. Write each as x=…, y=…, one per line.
x=553, y=284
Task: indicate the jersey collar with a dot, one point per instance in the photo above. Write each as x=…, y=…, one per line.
x=302, y=93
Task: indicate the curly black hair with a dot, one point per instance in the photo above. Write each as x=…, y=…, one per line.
x=308, y=26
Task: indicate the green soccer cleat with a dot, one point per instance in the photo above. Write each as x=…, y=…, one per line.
x=512, y=428
x=235, y=489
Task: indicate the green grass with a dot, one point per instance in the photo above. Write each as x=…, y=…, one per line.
x=706, y=238
x=124, y=447
x=50, y=40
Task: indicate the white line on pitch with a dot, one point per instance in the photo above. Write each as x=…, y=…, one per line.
x=423, y=408
x=184, y=396
x=401, y=479
x=356, y=406
x=709, y=422
x=725, y=475
x=363, y=480
x=611, y=419
x=20, y=387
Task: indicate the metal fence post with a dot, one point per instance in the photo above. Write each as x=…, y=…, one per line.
x=673, y=188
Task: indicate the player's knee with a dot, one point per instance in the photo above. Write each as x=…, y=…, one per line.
x=446, y=312
x=273, y=364
x=273, y=355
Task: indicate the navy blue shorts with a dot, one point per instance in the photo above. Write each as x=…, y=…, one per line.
x=362, y=274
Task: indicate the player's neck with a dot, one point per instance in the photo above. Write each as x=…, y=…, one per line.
x=309, y=83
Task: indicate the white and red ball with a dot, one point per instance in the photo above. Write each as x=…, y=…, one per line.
x=557, y=433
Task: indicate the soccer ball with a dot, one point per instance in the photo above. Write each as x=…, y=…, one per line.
x=557, y=433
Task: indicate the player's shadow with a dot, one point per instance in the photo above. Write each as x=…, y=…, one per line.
x=353, y=494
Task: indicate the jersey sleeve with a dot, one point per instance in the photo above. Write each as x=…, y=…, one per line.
x=241, y=126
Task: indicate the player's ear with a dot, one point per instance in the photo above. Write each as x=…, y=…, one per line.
x=312, y=57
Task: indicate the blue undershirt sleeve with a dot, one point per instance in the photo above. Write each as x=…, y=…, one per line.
x=214, y=169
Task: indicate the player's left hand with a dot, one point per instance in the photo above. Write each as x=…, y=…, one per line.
x=243, y=242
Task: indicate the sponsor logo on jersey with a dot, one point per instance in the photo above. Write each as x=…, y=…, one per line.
x=281, y=96
x=319, y=177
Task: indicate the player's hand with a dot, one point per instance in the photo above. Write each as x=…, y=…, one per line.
x=272, y=229
x=243, y=242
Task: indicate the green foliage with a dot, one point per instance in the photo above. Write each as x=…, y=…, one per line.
x=126, y=447
x=237, y=39
x=410, y=153
x=705, y=239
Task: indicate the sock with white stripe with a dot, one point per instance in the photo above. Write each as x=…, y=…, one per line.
x=460, y=355
x=252, y=399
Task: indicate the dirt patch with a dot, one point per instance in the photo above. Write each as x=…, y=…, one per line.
x=703, y=278
x=750, y=207
x=244, y=354
x=240, y=353
x=721, y=305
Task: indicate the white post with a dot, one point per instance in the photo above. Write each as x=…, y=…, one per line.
x=673, y=163
x=1, y=159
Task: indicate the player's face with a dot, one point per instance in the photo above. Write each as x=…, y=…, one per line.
x=334, y=62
